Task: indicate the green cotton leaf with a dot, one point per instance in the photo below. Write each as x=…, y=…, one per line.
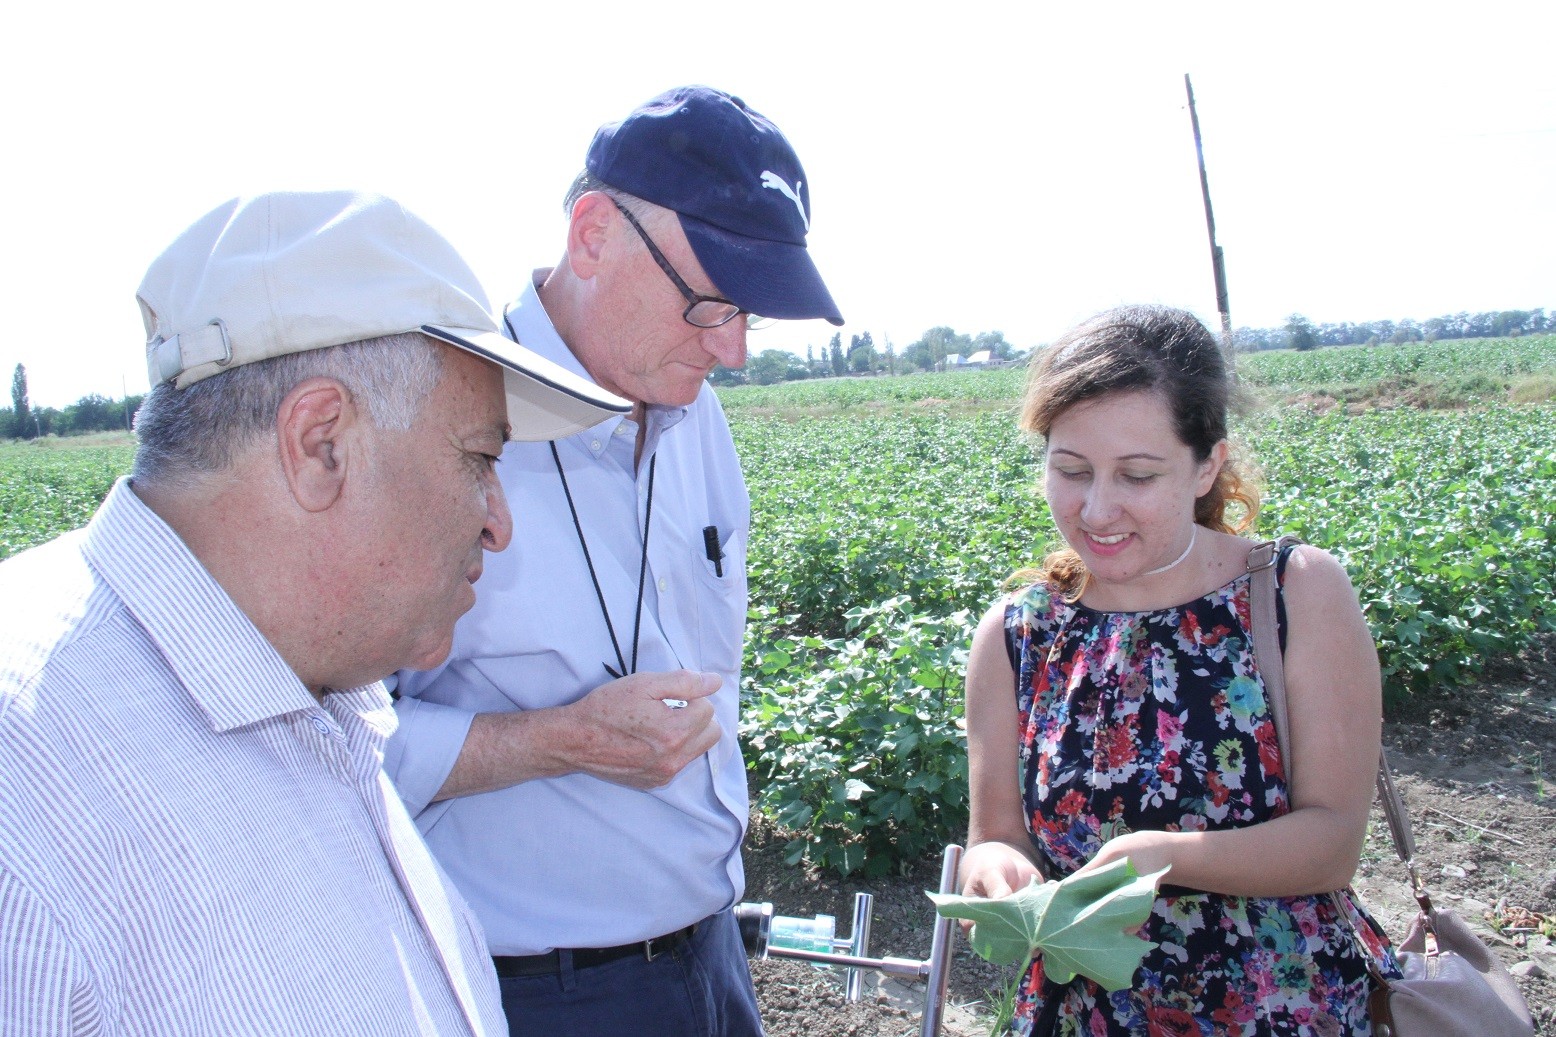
x=1004, y=930
x=1081, y=925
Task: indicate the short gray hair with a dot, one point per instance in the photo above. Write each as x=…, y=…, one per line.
x=202, y=429
x=647, y=212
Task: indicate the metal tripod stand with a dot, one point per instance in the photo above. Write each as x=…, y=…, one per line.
x=756, y=928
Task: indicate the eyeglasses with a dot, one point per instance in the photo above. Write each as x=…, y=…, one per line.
x=702, y=311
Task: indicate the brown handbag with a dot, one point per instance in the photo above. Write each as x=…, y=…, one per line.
x=1452, y=983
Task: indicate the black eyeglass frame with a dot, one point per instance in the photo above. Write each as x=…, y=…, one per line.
x=693, y=299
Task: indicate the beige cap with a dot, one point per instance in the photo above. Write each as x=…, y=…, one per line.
x=283, y=273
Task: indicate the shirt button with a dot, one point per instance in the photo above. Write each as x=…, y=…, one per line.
x=594, y=444
x=319, y=723
x=621, y=429
x=664, y=584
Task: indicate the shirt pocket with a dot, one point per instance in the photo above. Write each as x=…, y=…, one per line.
x=721, y=613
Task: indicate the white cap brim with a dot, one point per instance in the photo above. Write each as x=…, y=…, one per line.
x=545, y=401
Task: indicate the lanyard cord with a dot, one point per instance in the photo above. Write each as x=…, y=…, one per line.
x=648, y=515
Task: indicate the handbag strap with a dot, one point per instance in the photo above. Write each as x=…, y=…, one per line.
x=1272, y=667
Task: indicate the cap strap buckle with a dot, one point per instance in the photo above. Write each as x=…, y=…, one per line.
x=188, y=350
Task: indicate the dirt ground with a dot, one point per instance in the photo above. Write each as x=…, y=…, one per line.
x=1478, y=774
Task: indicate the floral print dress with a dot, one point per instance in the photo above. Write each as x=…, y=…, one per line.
x=1158, y=721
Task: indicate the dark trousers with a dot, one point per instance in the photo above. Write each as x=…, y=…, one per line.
x=700, y=989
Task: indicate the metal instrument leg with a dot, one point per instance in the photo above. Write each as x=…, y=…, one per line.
x=756, y=922
x=940, y=947
x=858, y=945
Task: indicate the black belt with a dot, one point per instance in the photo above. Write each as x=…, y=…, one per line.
x=513, y=966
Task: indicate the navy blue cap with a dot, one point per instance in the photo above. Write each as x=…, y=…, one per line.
x=738, y=187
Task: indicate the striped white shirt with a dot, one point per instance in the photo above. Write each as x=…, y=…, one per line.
x=189, y=842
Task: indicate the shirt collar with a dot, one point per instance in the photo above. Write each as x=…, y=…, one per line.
x=231, y=672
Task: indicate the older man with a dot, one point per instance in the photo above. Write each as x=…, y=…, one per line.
x=196, y=833
x=595, y=824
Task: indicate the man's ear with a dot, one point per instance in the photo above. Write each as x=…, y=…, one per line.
x=313, y=426
x=588, y=230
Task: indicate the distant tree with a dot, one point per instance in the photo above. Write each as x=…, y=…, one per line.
x=861, y=354
x=128, y=408
x=942, y=342
x=891, y=358
x=727, y=376
x=917, y=357
x=22, y=425
x=1511, y=322
x=46, y=421
x=1300, y=332
x=770, y=366
x=1251, y=340
x=835, y=354
x=91, y=413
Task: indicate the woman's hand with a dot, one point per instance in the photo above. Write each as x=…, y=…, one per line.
x=1147, y=851
x=995, y=870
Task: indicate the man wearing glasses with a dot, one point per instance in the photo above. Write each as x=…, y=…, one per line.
x=574, y=766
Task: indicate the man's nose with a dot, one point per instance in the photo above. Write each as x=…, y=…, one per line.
x=727, y=342
x=498, y=531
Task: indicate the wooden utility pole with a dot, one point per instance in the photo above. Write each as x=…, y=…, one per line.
x=1217, y=260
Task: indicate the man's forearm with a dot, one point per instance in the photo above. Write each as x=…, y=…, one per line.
x=622, y=732
x=503, y=749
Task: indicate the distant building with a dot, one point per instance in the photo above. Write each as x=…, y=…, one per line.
x=982, y=358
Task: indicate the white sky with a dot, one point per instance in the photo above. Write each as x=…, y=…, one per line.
x=982, y=165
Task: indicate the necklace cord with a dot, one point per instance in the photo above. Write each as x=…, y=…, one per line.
x=1193, y=535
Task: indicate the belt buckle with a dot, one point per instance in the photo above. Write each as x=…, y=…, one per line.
x=661, y=945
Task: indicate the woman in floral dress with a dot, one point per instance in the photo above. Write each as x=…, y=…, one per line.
x=1117, y=687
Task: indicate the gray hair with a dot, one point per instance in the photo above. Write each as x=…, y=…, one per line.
x=649, y=214
x=202, y=429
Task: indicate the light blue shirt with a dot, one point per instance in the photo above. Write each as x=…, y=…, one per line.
x=190, y=842
x=575, y=861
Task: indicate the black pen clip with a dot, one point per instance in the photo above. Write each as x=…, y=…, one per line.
x=715, y=552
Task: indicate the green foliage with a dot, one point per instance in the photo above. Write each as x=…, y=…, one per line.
x=995, y=388
x=853, y=741
x=1082, y=925
x=1290, y=371
x=851, y=512
x=43, y=492
x=1446, y=522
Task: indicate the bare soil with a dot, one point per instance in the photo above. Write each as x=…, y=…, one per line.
x=1477, y=772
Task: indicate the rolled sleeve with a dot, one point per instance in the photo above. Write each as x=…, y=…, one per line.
x=422, y=752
